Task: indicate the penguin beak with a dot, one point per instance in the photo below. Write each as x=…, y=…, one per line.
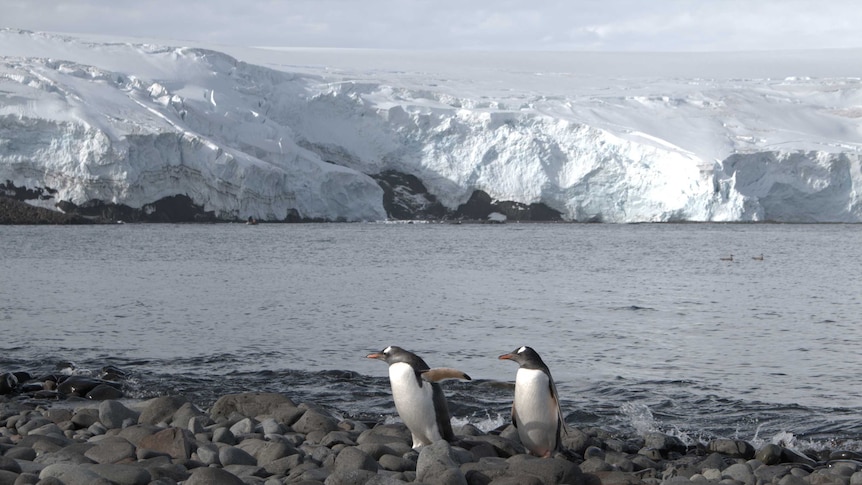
x=506, y=357
x=376, y=355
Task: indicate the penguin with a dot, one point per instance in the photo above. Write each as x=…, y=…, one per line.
x=536, y=407
x=418, y=397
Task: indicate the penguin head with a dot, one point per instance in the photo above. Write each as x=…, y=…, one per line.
x=393, y=355
x=525, y=357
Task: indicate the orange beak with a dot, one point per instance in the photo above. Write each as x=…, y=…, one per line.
x=506, y=357
x=375, y=355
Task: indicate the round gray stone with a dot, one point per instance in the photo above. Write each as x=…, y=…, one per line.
x=112, y=414
x=212, y=476
x=231, y=455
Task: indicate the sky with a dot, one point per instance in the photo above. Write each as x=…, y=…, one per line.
x=582, y=25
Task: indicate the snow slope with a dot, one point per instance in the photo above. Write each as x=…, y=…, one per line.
x=272, y=132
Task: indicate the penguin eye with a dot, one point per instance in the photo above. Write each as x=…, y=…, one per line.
x=387, y=350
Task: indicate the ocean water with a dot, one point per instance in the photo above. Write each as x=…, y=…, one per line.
x=644, y=327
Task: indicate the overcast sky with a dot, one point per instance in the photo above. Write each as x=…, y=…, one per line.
x=596, y=25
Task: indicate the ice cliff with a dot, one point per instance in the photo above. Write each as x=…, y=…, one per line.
x=359, y=135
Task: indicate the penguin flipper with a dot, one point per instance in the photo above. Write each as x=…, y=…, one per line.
x=441, y=409
x=439, y=374
x=561, y=423
x=514, y=416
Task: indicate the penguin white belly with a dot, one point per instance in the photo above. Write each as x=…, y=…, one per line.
x=415, y=404
x=535, y=411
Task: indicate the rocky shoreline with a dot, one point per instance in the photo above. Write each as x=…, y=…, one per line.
x=266, y=438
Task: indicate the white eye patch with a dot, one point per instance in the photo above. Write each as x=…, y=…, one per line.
x=522, y=350
x=387, y=350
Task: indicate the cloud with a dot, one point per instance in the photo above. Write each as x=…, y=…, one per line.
x=687, y=25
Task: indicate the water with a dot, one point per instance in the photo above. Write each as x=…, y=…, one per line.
x=643, y=326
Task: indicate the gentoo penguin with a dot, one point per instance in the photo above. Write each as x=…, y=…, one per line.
x=536, y=408
x=418, y=397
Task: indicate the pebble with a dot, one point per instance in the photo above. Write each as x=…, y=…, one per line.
x=267, y=439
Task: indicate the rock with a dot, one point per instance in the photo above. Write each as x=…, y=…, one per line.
x=58, y=415
x=85, y=417
x=49, y=429
x=595, y=464
x=111, y=449
x=619, y=461
x=172, y=472
x=283, y=465
x=770, y=473
x=248, y=404
x=70, y=474
x=113, y=413
x=175, y=442
x=824, y=477
x=9, y=465
x=35, y=423
x=307, y=471
x=243, y=427
x=319, y=448
x=481, y=450
x=208, y=454
x=197, y=424
x=11, y=478
x=549, y=470
x=81, y=385
x=386, y=434
x=485, y=470
x=266, y=452
x=246, y=473
x=122, y=474
x=520, y=480
x=45, y=443
x=351, y=458
x=135, y=433
x=313, y=420
x=185, y=413
x=791, y=480
x=845, y=455
x=643, y=463
x=734, y=448
x=769, y=455
x=349, y=477
x=376, y=450
x=71, y=454
x=97, y=429
x=740, y=472
x=161, y=409
x=395, y=463
x=663, y=442
x=270, y=426
x=231, y=455
x=437, y=465
x=212, y=476
x=21, y=453
x=286, y=413
x=503, y=446
x=594, y=452
x=576, y=441
x=337, y=438
x=618, y=478
x=8, y=383
x=791, y=456
x=224, y=435
x=104, y=391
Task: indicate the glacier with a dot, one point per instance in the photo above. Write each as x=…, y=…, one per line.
x=284, y=134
